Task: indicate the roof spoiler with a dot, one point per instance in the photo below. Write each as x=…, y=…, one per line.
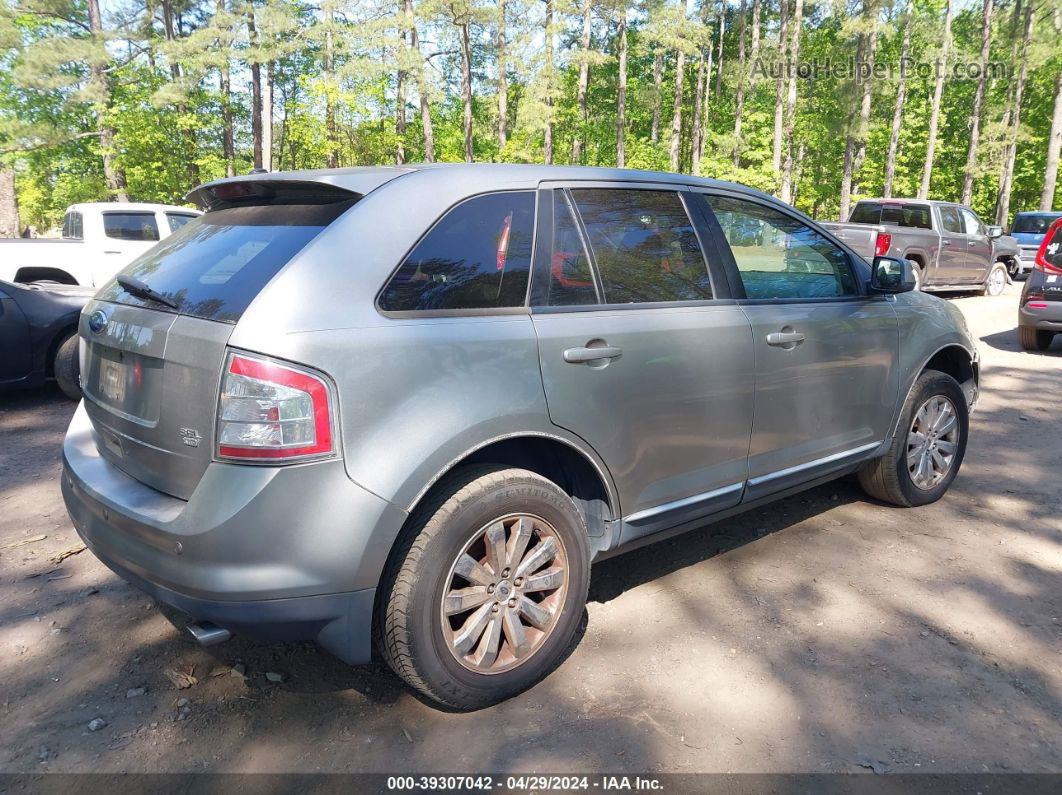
x=244, y=192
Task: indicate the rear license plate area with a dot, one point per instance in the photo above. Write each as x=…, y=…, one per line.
x=112, y=381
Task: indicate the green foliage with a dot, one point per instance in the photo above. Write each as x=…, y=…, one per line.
x=334, y=68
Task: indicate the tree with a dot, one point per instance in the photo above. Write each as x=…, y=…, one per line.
x=584, y=81
x=779, y=88
x=502, y=46
x=1013, y=121
x=621, y=89
x=856, y=140
x=975, y=112
x=901, y=97
x=743, y=78
x=789, y=121
x=934, y=113
x=1054, y=138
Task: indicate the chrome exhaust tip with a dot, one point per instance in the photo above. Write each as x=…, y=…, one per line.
x=207, y=634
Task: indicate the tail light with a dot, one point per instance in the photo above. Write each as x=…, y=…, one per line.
x=881, y=248
x=1051, y=244
x=272, y=411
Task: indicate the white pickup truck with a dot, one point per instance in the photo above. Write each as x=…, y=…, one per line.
x=99, y=239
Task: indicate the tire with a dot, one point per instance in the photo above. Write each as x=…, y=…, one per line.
x=996, y=280
x=1013, y=268
x=1034, y=339
x=888, y=478
x=919, y=274
x=66, y=367
x=422, y=644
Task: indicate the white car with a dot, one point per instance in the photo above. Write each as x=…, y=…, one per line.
x=99, y=239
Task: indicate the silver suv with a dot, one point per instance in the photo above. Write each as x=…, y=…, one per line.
x=408, y=407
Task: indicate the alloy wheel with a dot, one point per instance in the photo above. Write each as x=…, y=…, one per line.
x=504, y=593
x=997, y=281
x=932, y=442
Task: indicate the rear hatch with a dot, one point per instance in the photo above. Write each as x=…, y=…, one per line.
x=152, y=367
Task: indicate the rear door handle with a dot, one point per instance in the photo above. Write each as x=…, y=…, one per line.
x=584, y=355
x=784, y=338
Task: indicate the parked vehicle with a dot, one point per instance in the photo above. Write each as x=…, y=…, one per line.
x=1040, y=310
x=949, y=246
x=38, y=336
x=99, y=239
x=420, y=401
x=1029, y=230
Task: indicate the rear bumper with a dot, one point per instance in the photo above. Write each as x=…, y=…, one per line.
x=1049, y=319
x=283, y=553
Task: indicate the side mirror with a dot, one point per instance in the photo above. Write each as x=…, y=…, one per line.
x=892, y=275
x=995, y=231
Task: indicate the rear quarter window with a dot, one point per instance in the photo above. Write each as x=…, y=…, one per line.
x=477, y=256
x=215, y=265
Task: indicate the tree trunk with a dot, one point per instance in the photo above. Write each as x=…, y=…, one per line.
x=422, y=84
x=621, y=92
x=98, y=83
x=9, y=224
x=676, y=113
x=503, y=79
x=779, y=90
x=696, y=130
x=1007, y=183
x=658, y=90
x=466, y=86
x=267, y=118
x=739, y=102
x=856, y=145
x=401, y=123
x=901, y=97
x=547, y=143
x=584, y=81
x=934, y=113
x=975, y=113
x=719, y=57
x=228, y=143
x=789, y=122
x=256, y=94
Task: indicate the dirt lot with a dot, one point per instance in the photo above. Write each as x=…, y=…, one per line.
x=825, y=633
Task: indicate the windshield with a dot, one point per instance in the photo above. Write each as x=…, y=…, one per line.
x=215, y=265
x=1033, y=223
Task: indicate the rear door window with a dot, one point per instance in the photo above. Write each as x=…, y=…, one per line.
x=910, y=215
x=571, y=280
x=778, y=256
x=866, y=213
x=131, y=226
x=643, y=244
x=950, y=221
x=477, y=256
x=216, y=264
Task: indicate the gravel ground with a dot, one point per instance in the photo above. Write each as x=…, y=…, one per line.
x=824, y=633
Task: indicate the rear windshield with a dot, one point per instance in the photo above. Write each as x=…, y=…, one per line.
x=214, y=266
x=1035, y=224
x=915, y=216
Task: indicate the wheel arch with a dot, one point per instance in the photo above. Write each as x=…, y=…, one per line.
x=952, y=359
x=578, y=472
x=37, y=274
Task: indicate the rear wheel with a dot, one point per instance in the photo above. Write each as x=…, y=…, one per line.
x=67, y=369
x=1033, y=339
x=919, y=274
x=928, y=448
x=486, y=588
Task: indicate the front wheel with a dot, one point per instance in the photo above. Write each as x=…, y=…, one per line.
x=928, y=448
x=996, y=281
x=486, y=588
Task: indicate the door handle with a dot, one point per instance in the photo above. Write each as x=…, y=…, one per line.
x=112, y=252
x=945, y=242
x=584, y=355
x=785, y=338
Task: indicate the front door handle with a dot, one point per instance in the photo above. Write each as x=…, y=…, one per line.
x=785, y=339
x=586, y=354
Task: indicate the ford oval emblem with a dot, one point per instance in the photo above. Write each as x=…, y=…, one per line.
x=97, y=321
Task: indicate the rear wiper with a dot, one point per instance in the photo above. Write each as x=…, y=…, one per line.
x=141, y=290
